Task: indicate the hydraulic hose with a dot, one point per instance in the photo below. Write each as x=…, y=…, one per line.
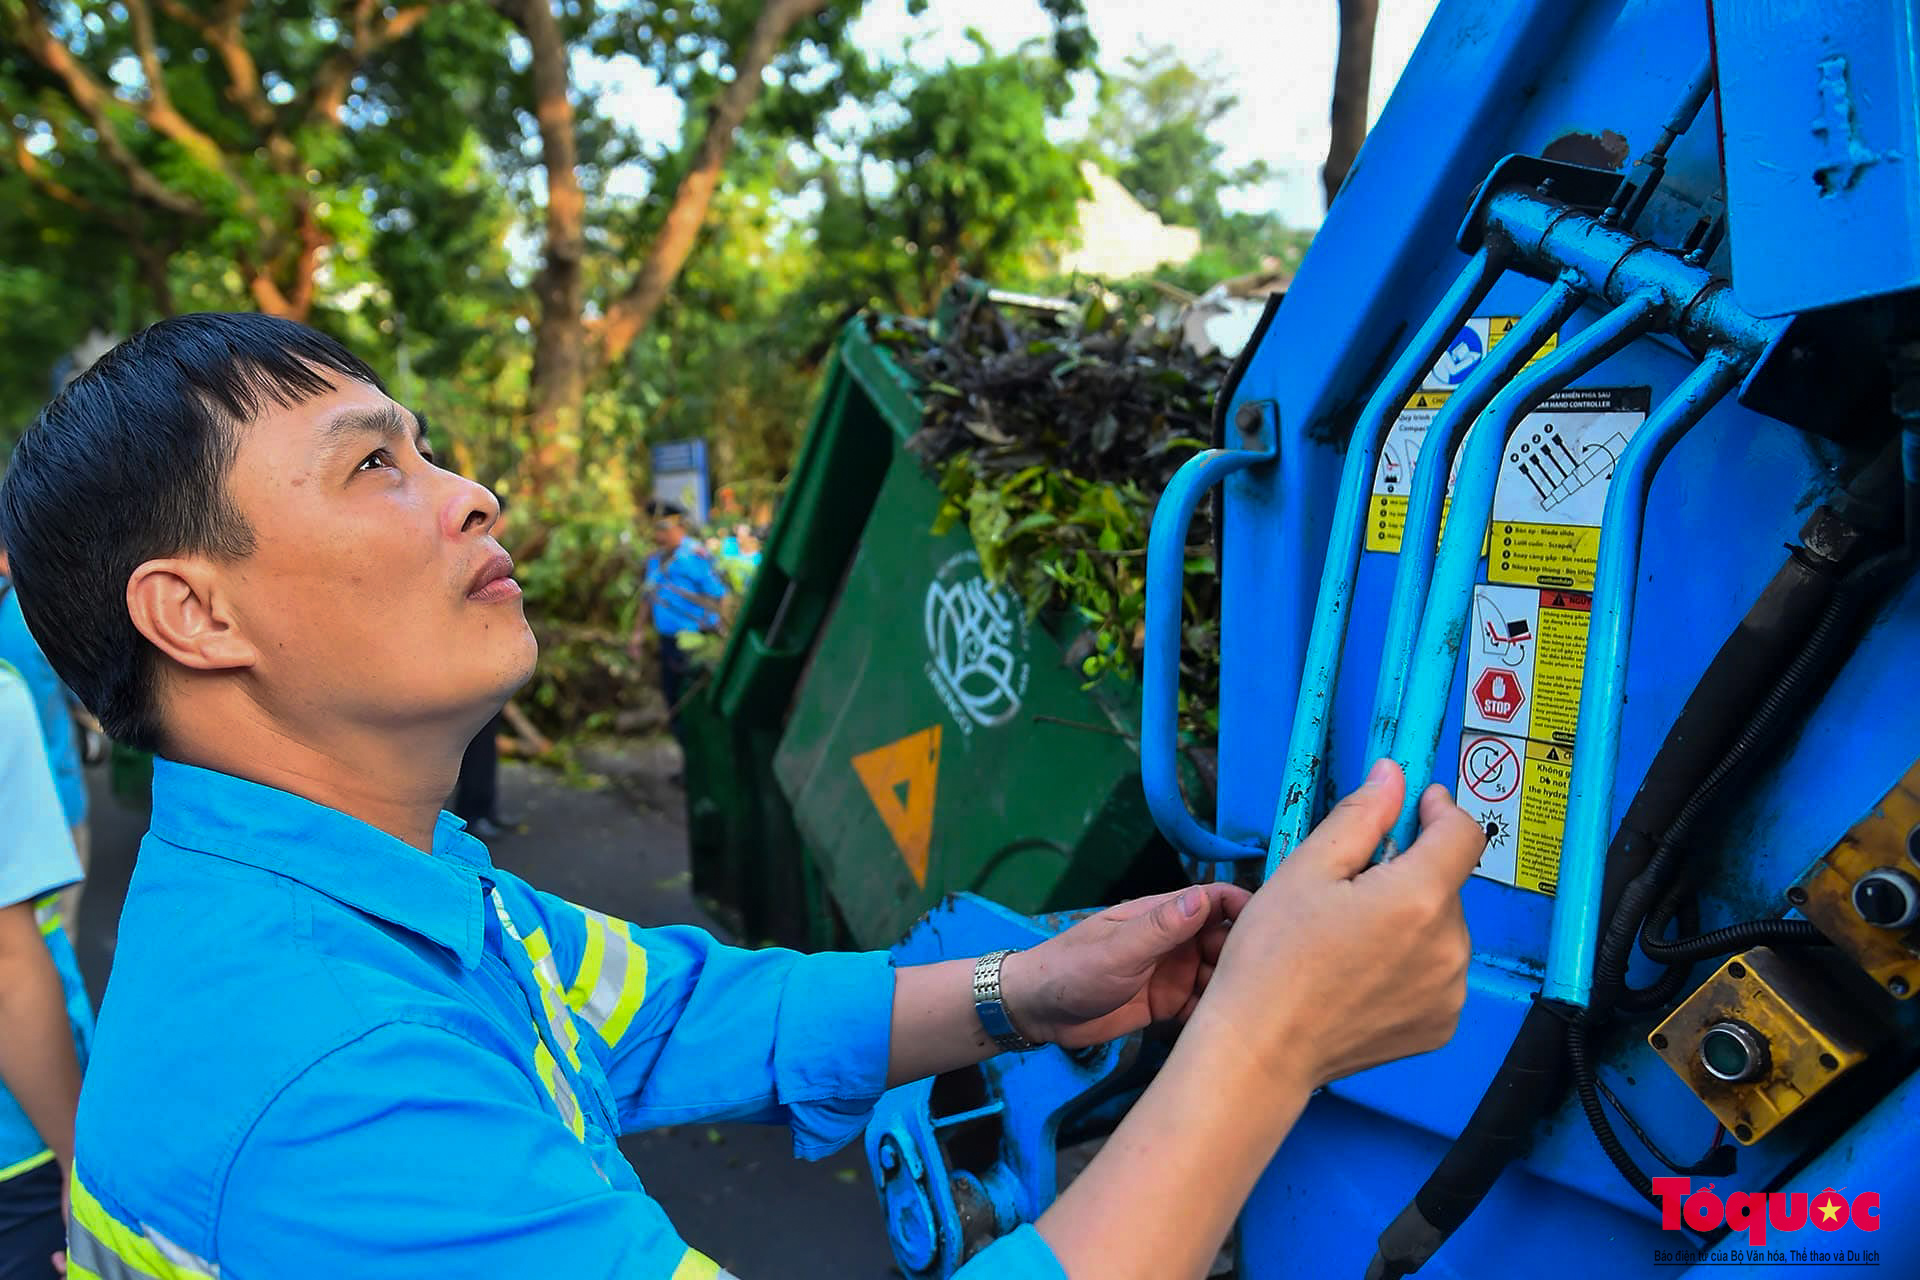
x=1531, y=1077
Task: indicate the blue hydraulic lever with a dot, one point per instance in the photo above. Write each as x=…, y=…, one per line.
x=1160, y=665
x=1451, y=596
x=1300, y=788
x=1426, y=498
x=1574, y=941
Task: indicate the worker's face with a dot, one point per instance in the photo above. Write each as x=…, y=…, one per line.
x=667, y=535
x=375, y=595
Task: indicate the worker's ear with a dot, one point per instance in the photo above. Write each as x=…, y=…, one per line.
x=182, y=609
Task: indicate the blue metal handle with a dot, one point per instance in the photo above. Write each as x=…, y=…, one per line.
x=1455, y=566
x=1427, y=498
x=1160, y=668
x=1306, y=748
x=1572, y=946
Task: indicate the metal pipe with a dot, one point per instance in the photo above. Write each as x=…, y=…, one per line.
x=1300, y=787
x=1160, y=662
x=1450, y=597
x=1576, y=905
x=1547, y=238
x=1426, y=497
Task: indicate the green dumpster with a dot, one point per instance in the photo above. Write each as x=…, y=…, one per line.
x=885, y=726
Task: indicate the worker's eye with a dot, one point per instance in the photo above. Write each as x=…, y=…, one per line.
x=378, y=458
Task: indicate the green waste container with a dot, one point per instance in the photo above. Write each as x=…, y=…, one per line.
x=884, y=726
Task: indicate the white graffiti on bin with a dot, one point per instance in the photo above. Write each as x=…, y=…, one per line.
x=977, y=638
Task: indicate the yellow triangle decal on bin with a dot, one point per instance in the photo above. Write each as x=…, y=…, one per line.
x=901, y=779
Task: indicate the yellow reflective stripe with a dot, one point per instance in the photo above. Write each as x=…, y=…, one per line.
x=583, y=982
x=612, y=980
x=99, y=1245
x=25, y=1166
x=47, y=912
x=696, y=1266
x=540, y=952
x=547, y=977
x=562, y=1092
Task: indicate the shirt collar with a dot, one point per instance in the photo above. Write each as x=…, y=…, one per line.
x=437, y=896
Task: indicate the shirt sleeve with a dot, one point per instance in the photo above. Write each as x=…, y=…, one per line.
x=688, y=1029
x=1022, y=1254
x=351, y=1173
x=36, y=848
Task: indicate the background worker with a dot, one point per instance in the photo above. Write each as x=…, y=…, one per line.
x=45, y=1021
x=386, y=1057
x=59, y=735
x=681, y=597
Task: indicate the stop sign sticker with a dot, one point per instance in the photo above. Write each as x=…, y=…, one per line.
x=1498, y=696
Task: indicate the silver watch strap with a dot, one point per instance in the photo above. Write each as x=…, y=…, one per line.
x=991, y=1005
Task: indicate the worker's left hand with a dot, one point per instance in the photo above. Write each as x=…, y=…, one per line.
x=1143, y=961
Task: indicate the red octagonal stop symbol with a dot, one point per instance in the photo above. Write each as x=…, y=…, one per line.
x=1498, y=695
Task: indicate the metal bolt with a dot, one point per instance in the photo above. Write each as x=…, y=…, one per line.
x=1897, y=987
x=1743, y=1133
x=1247, y=418
x=1736, y=970
x=1658, y=1041
x=1830, y=1062
x=889, y=1158
x=1797, y=896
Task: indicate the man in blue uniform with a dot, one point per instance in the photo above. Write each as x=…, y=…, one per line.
x=45, y=1020
x=339, y=1042
x=57, y=734
x=681, y=597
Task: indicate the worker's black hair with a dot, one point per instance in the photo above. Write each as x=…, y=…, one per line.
x=128, y=464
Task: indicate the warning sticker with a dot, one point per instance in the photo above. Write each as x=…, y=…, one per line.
x=1553, y=486
x=1469, y=347
x=1393, y=474
x=1517, y=791
x=1525, y=652
x=902, y=778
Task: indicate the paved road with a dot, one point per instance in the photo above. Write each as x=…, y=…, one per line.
x=734, y=1191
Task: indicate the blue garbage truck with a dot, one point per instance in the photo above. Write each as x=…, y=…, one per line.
x=1578, y=470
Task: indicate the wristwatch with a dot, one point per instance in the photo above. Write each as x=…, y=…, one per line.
x=992, y=1006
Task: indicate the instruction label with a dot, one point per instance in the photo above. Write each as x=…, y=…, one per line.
x=1393, y=474
x=1526, y=652
x=1517, y=790
x=1553, y=484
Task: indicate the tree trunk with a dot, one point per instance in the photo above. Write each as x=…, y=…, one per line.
x=633, y=310
x=1352, y=76
x=558, y=382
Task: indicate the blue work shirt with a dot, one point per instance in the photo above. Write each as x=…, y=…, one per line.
x=688, y=572
x=325, y=1053
x=36, y=862
x=50, y=700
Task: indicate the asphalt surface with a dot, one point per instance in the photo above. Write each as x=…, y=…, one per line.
x=734, y=1191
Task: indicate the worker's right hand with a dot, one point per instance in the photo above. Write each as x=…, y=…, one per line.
x=1334, y=965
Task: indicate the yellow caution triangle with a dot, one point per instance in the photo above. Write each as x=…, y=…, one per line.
x=901, y=779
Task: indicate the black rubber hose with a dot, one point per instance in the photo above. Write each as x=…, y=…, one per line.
x=1669, y=985
x=1585, y=1086
x=1531, y=1077
x=1495, y=1135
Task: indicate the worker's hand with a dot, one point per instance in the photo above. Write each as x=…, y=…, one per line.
x=1335, y=965
x=1143, y=961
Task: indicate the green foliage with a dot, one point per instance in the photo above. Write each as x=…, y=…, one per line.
x=1155, y=131
x=1054, y=438
x=965, y=182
